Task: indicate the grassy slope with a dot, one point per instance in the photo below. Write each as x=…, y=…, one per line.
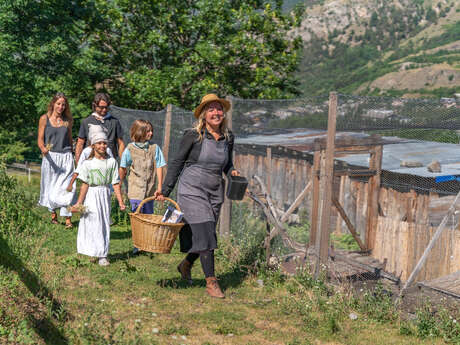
x=140, y=300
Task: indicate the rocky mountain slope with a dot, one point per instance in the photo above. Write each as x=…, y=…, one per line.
x=391, y=47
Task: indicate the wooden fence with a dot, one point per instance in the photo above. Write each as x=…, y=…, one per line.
x=405, y=222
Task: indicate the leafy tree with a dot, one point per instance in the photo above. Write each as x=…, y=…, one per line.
x=175, y=51
x=145, y=53
x=41, y=53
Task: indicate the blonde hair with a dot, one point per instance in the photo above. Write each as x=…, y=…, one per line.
x=139, y=129
x=201, y=123
x=66, y=114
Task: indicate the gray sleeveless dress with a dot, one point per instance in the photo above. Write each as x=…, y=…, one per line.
x=200, y=194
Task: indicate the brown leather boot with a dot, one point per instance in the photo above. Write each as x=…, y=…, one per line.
x=213, y=289
x=185, y=270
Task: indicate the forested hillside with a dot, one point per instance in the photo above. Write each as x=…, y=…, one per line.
x=393, y=47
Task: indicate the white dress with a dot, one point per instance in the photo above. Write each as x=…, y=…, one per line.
x=56, y=172
x=94, y=227
x=85, y=154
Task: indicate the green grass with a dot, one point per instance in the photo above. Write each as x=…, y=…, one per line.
x=51, y=295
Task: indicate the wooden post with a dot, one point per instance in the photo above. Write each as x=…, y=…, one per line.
x=315, y=200
x=167, y=133
x=327, y=178
x=375, y=163
x=226, y=211
x=268, y=166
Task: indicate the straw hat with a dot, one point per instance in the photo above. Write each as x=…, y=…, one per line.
x=211, y=97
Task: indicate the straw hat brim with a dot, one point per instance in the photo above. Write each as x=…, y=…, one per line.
x=225, y=104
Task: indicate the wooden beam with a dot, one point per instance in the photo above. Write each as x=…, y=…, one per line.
x=226, y=211
x=349, y=225
x=268, y=166
x=296, y=203
x=351, y=172
x=315, y=199
x=270, y=213
x=167, y=133
x=327, y=176
x=375, y=163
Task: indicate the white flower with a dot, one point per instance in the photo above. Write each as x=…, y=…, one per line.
x=155, y=330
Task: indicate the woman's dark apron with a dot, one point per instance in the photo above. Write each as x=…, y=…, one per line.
x=200, y=196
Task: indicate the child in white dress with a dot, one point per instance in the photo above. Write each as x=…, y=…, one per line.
x=97, y=173
x=85, y=154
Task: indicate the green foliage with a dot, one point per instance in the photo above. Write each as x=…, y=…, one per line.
x=378, y=304
x=175, y=51
x=330, y=64
x=345, y=241
x=145, y=53
x=11, y=148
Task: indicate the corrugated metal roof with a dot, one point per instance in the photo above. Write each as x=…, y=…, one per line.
x=398, y=150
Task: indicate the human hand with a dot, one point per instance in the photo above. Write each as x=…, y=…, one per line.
x=45, y=151
x=122, y=206
x=69, y=188
x=235, y=173
x=158, y=195
x=75, y=208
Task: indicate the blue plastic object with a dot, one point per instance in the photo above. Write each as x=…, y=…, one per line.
x=446, y=178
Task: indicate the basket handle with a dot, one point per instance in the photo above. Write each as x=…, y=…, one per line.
x=153, y=198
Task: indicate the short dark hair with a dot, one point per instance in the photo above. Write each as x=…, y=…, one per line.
x=100, y=97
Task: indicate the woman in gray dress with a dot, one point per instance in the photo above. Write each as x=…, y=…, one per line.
x=55, y=142
x=205, y=152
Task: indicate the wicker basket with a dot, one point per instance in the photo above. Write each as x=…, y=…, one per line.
x=150, y=234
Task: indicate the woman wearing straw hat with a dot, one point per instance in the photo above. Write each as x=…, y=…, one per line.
x=205, y=152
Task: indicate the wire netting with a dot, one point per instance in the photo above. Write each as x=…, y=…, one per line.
x=421, y=157
x=128, y=116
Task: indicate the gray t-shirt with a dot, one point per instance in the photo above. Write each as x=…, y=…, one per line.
x=111, y=124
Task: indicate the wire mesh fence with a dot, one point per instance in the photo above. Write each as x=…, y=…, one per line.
x=419, y=171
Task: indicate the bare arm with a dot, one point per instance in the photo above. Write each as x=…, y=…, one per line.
x=79, y=148
x=159, y=178
x=121, y=146
x=117, y=189
x=72, y=180
x=81, y=197
x=122, y=173
x=41, y=134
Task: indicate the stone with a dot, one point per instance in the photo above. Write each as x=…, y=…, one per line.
x=411, y=164
x=434, y=167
